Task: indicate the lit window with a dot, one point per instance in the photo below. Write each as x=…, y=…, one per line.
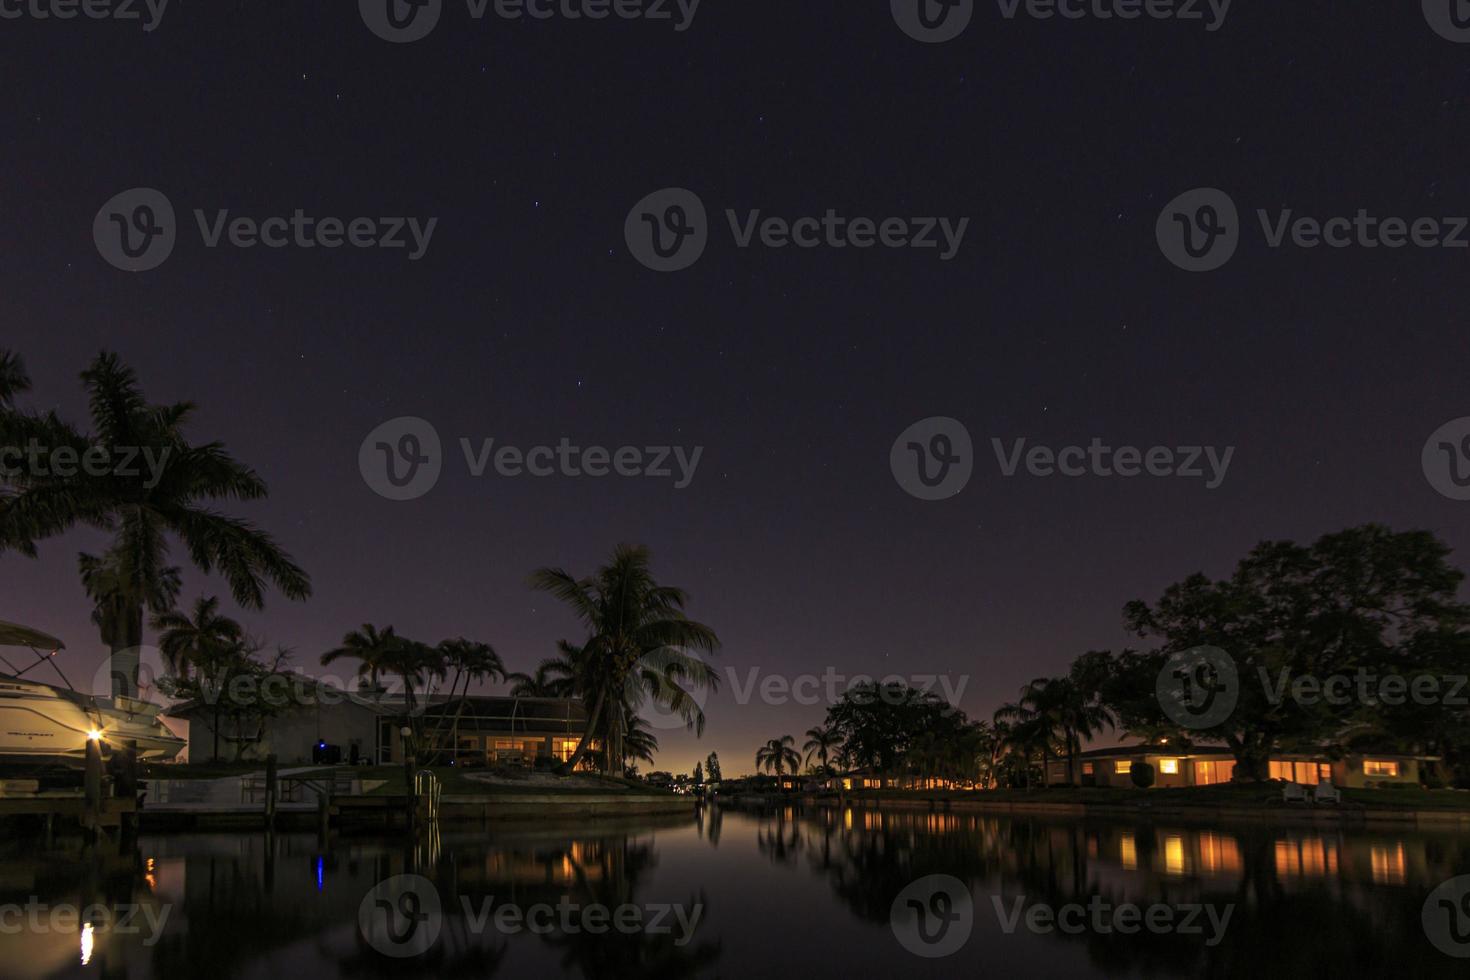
x=1087, y=769
x=1170, y=766
x=1380, y=767
x=1123, y=766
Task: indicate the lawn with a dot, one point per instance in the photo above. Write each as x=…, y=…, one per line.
x=456, y=782
x=1226, y=794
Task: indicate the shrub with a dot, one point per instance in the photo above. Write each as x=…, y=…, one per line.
x=1142, y=775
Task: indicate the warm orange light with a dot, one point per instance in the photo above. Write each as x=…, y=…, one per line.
x=94, y=736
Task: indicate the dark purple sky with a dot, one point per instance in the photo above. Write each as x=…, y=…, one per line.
x=528, y=320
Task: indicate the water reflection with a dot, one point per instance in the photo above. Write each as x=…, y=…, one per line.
x=817, y=884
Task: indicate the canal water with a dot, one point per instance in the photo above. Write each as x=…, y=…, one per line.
x=815, y=892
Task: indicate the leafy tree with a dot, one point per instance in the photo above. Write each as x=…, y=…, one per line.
x=878, y=724
x=698, y=777
x=231, y=679
x=712, y=767
x=1365, y=597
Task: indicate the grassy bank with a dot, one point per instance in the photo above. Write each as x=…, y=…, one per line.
x=458, y=782
x=1223, y=795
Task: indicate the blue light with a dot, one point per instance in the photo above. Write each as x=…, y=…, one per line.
x=320, y=872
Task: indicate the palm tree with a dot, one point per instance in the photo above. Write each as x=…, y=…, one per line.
x=191, y=641
x=14, y=379
x=538, y=685
x=142, y=506
x=1080, y=711
x=637, y=648
x=777, y=755
x=115, y=592
x=372, y=648
x=820, y=741
x=1040, y=711
x=471, y=662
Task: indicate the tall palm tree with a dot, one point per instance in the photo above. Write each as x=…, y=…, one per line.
x=1080, y=712
x=777, y=755
x=820, y=741
x=188, y=641
x=471, y=662
x=637, y=650
x=115, y=592
x=144, y=507
x=1040, y=710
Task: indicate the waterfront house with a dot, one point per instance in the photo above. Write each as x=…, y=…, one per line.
x=323, y=723
x=1203, y=766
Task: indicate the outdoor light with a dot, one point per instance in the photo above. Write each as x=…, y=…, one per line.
x=94, y=736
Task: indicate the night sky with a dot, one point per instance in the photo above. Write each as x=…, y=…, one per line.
x=529, y=321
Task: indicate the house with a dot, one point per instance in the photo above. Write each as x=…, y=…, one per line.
x=323, y=723
x=1203, y=766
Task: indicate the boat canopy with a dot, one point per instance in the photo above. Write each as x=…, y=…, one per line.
x=15, y=635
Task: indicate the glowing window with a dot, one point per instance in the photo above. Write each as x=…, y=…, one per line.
x=1123, y=766
x=1087, y=769
x=1380, y=767
x=1170, y=766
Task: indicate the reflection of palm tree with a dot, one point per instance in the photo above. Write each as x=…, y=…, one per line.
x=777, y=755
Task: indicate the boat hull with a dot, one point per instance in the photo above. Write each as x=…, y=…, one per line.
x=41, y=725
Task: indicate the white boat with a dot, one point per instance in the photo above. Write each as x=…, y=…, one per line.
x=42, y=724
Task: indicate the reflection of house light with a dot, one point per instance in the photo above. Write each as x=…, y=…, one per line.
x=1174, y=855
x=1387, y=864
x=87, y=941
x=1130, y=853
